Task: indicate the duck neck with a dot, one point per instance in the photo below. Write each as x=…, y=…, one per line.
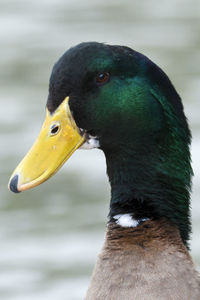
x=141, y=188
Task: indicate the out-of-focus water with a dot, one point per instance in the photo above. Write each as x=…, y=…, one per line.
x=50, y=236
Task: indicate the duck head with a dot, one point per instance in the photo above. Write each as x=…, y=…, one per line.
x=116, y=99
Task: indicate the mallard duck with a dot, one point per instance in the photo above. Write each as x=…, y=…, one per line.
x=116, y=99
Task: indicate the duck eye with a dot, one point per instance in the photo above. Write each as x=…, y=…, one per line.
x=54, y=129
x=102, y=77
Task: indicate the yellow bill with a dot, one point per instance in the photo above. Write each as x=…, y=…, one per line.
x=58, y=139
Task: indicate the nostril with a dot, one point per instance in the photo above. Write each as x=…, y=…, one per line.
x=54, y=129
x=13, y=184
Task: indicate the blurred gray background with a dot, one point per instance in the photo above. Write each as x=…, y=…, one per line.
x=50, y=236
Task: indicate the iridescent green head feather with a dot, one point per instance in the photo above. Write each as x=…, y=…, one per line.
x=127, y=103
